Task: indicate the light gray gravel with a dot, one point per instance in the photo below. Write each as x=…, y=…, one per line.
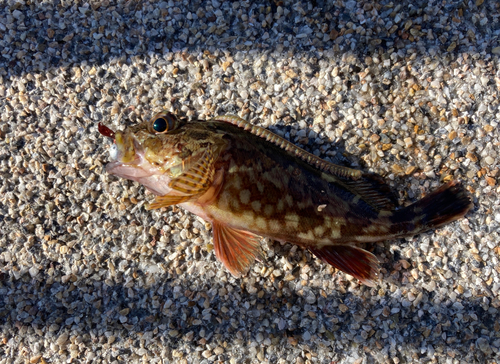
x=407, y=89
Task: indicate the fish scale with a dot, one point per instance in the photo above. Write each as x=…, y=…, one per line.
x=251, y=183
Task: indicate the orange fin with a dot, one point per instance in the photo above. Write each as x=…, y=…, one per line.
x=165, y=201
x=236, y=249
x=352, y=260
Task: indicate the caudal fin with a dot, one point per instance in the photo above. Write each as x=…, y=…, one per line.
x=448, y=203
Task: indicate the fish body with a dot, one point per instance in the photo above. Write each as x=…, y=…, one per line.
x=249, y=182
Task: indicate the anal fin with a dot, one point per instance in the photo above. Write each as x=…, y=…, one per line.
x=165, y=201
x=352, y=260
x=236, y=249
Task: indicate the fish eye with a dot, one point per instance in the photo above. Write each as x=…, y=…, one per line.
x=163, y=123
x=160, y=125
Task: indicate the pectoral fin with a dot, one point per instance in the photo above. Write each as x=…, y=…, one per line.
x=194, y=179
x=165, y=201
x=236, y=249
x=352, y=260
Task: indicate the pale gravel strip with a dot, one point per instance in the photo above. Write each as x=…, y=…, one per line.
x=407, y=90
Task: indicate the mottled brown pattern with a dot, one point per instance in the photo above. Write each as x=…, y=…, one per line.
x=258, y=174
x=249, y=182
x=260, y=179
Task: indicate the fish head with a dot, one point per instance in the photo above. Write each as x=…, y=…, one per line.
x=158, y=150
x=147, y=151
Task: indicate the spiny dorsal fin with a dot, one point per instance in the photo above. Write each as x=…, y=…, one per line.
x=339, y=171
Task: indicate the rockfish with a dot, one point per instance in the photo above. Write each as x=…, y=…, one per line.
x=248, y=182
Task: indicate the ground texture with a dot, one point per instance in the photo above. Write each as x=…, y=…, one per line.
x=407, y=89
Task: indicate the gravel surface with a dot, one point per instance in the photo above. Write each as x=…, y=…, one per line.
x=408, y=89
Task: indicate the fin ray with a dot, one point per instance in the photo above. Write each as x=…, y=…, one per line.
x=333, y=169
x=352, y=260
x=167, y=200
x=448, y=203
x=236, y=249
x=374, y=191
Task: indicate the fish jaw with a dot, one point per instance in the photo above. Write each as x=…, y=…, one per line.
x=128, y=161
x=149, y=177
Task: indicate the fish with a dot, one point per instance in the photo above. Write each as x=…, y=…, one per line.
x=250, y=183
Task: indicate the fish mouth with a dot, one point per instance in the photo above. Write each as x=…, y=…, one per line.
x=127, y=158
x=128, y=171
x=126, y=154
x=125, y=147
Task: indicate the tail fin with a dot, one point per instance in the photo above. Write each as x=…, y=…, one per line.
x=448, y=203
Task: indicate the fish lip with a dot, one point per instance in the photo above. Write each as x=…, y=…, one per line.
x=138, y=148
x=127, y=170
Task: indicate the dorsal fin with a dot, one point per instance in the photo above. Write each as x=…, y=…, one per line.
x=321, y=164
x=371, y=188
x=374, y=191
